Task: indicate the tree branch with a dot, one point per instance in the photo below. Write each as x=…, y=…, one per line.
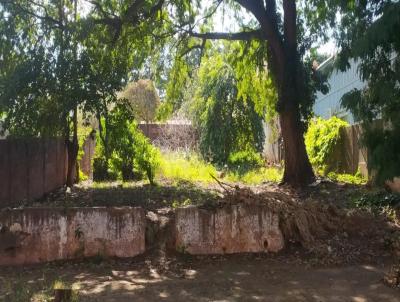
x=267, y=18
x=241, y=36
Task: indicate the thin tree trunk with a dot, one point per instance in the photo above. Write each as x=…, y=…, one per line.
x=73, y=148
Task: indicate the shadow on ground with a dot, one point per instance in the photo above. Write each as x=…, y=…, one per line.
x=208, y=279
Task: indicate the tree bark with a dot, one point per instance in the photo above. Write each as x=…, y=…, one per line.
x=73, y=148
x=298, y=171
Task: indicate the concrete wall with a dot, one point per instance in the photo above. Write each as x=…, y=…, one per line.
x=231, y=229
x=35, y=235
x=30, y=168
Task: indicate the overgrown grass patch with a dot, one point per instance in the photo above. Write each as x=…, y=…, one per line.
x=186, y=166
x=190, y=167
x=256, y=175
x=356, y=179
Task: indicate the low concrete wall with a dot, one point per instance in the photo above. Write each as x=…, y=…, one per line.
x=231, y=229
x=35, y=235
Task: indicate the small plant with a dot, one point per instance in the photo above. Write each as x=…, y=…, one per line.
x=378, y=202
x=184, y=203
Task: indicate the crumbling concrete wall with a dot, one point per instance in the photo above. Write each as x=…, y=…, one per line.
x=230, y=229
x=35, y=235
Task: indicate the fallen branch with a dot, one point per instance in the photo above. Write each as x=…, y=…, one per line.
x=223, y=185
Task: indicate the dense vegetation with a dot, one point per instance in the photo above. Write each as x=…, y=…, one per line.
x=60, y=58
x=322, y=139
x=228, y=122
x=375, y=42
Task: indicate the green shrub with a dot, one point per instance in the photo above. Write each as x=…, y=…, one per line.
x=321, y=139
x=100, y=169
x=248, y=158
x=130, y=154
x=147, y=157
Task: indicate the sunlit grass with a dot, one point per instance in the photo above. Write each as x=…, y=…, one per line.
x=185, y=166
x=356, y=179
x=256, y=176
x=190, y=167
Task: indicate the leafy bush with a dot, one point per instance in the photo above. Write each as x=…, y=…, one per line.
x=130, y=153
x=100, y=168
x=246, y=159
x=383, y=152
x=321, y=139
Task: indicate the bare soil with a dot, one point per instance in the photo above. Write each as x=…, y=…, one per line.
x=227, y=278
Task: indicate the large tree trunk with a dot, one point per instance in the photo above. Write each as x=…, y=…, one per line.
x=298, y=171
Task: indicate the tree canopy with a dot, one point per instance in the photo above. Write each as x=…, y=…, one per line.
x=63, y=56
x=143, y=99
x=375, y=43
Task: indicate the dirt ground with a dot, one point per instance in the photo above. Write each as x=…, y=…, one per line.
x=233, y=278
x=335, y=252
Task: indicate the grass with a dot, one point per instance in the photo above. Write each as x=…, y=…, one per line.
x=186, y=167
x=190, y=167
x=356, y=179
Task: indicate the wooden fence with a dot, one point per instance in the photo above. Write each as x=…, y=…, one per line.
x=349, y=156
x=29, y=168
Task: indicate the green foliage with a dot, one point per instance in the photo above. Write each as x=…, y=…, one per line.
x=374, y=41
x=188, y=167
x=256, y=176
x=228, y=122
x=129, y=153
x=356, y=179
x=321, y=139
x=143, y=99
x=376, y=200
x=244, y=160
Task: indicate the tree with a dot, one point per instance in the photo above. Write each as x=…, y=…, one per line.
x=44, y=85
x=55, y=63
x=227, y=121
x=374, y=41
x=143, y=100
x=286, y=41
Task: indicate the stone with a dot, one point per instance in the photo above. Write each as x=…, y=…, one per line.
x=231, y=229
